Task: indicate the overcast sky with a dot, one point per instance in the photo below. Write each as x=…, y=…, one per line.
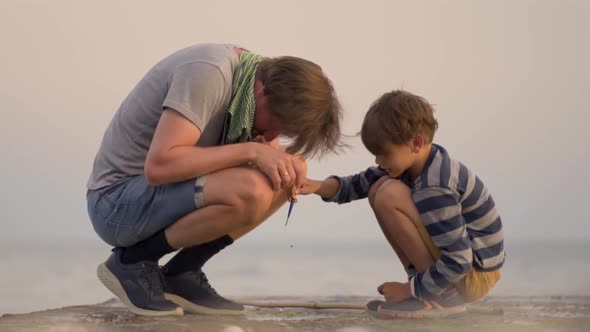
x=509, y=80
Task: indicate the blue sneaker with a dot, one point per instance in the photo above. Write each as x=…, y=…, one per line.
x=441, y=307
x=372, y=308
x=139, y=286
x=192, y=291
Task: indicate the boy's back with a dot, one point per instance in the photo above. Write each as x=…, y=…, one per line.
x=460, y=215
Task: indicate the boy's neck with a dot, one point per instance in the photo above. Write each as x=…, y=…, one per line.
x=421, y=159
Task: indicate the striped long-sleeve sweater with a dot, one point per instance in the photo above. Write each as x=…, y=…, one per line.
x=458, y=213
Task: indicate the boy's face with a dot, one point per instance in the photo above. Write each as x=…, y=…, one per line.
x=397, y=158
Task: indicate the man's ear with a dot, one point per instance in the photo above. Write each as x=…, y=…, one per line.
x=258, y=88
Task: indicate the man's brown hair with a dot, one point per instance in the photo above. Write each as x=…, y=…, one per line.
x=396, y=118
x=304, y=101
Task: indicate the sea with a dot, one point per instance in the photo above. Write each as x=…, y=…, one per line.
x=44, y=275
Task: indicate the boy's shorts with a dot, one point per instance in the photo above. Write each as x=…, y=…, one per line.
x=130, y=210
x=476, y=284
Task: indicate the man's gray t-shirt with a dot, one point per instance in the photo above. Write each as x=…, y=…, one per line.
x=195, y=81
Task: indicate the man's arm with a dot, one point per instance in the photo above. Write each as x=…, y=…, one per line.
x=173, y=156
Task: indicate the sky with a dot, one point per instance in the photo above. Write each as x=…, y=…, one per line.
x=508, y=79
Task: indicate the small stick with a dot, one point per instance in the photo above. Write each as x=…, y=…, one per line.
x=350, y=306
x=309, y=305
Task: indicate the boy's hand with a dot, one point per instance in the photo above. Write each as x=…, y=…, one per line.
x=326, y=189
x=395, y=291
x=309, y=187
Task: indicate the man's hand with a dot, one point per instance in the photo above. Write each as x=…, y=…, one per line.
x=275, y=143
x=284, y=170
x=395, y=291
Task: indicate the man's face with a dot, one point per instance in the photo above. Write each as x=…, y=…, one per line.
x=265, y=123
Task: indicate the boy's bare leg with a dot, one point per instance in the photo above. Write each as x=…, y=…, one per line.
x=397, y=214
x=398, y=251
x=236, y=201
x=400, y=254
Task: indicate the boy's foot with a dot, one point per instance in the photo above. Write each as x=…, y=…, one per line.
x=192, y=291
x=139, y=286
x=412, y=308
x=372, y=308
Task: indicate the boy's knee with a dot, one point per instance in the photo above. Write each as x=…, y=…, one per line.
x=374, y=188
x=392, y=194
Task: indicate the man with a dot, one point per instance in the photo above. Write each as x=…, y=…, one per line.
x=191, y=162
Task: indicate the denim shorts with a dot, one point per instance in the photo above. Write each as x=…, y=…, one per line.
x=130, y=210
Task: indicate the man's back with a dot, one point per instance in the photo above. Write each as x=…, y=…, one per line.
x=177, y=82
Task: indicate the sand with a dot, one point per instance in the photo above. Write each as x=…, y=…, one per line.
x=493, y=314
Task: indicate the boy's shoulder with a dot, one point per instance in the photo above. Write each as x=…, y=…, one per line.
x=442, y=172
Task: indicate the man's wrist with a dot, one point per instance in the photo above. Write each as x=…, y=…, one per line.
x=251, y=152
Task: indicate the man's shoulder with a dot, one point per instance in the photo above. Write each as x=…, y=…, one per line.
x=211, y=51
x=220, y=56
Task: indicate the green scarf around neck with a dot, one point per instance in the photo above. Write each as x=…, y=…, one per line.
x=242, y=107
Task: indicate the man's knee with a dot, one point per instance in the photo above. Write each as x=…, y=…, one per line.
x=392, y=194
x=253, y=194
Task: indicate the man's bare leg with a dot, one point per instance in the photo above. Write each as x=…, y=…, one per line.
x=278, y=200
x=237, y=200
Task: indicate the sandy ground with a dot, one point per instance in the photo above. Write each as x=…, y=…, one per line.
x=494, y=314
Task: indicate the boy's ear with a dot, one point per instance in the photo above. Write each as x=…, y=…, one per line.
x=417, y=143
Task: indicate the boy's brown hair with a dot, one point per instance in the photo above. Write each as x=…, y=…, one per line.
x=396, y=118
x=303, y=99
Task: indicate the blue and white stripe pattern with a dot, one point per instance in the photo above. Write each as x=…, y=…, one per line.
x=458, y=213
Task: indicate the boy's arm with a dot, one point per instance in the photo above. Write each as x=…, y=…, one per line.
x=325, y=189
x=440, y=212
x=345, y=189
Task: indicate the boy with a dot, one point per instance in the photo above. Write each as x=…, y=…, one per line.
x=436, y=214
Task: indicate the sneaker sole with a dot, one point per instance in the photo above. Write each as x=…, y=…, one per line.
x=197, y=309
x=374, y=311
x=112, y=283
x=376, y=314
x=423, y=314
